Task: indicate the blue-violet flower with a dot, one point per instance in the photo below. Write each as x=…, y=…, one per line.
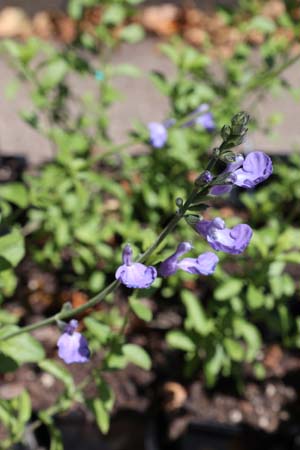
x=158, y=134
x=73, y=346
x=203, y=117
x=133, y=274
x=229, y=240
x=205, y=264
x=255, y=168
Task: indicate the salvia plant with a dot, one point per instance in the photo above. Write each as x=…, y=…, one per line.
x=136, y=273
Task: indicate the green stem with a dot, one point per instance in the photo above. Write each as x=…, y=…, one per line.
x=265, y=76
x=64, y=315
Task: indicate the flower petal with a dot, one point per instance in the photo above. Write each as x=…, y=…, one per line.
x=158, y=134
x=224, y=239
x=136, y=275
x=257, y=167
x=205, y=264
x=228, y=240
x=73, y=348
x=170, y=265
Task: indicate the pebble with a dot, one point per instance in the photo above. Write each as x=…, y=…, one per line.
x=47, y=380
x=263, y=422
x=235, y=416
x=284, y=415
x=270, y=390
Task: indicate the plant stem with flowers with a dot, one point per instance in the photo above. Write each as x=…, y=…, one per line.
x=256, y=168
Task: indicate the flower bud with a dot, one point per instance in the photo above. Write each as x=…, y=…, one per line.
x=204, y=178
x=226, y=132
x=228, y=157
x=179, y=202
x=241, y=119
x=192, y=219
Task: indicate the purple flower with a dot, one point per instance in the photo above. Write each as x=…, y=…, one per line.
x=248, y=172
x=202, y=117
x=134, y=275
x=229, y=240
x=205, y=264
x=256, y=168
x=73, y=346
x=204, y=178
x=158, y=134
x=206, y=121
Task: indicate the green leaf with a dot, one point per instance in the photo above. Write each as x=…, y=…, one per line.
x=100, y=330
x=12, y=247
x=114, y=361
x=22, y=348
x=56, y=441
x=292, y=257
x=255, y=297
x=276, y=268
x=12, y=47
x=128, y=70
x=195, y=313
x=213, y=364
x=75, y=9
x=15, y=193
x=114, y=14
x=132, y=33
x=180, y=340
x=7, y=364
x=24, y=407
x=137, y=355
x=234, y=349
x=288, y=285
x=250, y=334
x=7, y=317
x=101, y=414
x=134, y=2
x=261, y=23
x=54, y=73
x=30, y=117
x=276, y=286
x=161, y=82
x=11, y=89
x=106, y=394
x=228, y=289
x=141, y=310
x=60, y=372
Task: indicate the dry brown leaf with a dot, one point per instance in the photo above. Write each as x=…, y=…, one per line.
x=174, y=395
x=285, y=33
x=40, y=301
x=93, y=15
x=273, y=357
x=163, y=20
x=78, y=299
x=65, y=28
x=14, y=22
x=274, y=9
x=193, y=17
x=255, y=37
x=43, y=25
x=195, y=36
